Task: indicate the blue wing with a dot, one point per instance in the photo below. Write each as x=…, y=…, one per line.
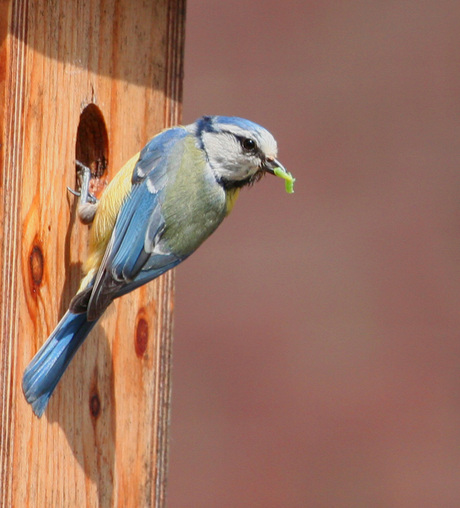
x=130, y=260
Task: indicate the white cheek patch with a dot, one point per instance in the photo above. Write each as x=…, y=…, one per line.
x=223, y=153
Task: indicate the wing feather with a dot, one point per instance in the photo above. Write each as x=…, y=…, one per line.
x=139, y=225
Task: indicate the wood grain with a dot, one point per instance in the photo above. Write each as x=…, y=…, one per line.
x=103, y=438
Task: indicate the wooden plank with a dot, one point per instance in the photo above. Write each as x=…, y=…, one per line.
x=103, y=438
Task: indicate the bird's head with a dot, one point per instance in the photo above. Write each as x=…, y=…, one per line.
x=239, y=152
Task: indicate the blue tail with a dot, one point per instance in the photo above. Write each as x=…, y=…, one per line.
x=47, y=366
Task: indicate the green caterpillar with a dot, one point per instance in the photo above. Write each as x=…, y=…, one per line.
x=288, y=179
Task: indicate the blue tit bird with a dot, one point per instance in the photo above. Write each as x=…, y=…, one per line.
x=162, y=204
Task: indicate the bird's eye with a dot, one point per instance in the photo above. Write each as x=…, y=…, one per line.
x=248, y=144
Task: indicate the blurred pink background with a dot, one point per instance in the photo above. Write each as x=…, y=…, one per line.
x=317, y=337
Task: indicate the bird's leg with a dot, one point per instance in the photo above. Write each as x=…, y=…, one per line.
x=87, y=205
x=84, y=175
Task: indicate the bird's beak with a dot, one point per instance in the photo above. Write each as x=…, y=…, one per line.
x=275, y=167
x=271, y=164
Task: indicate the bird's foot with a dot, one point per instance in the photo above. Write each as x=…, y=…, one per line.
x=88, y=203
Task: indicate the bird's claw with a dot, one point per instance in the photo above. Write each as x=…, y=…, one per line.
x=74, y=192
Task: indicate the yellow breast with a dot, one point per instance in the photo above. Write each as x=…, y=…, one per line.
x=105, y=218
